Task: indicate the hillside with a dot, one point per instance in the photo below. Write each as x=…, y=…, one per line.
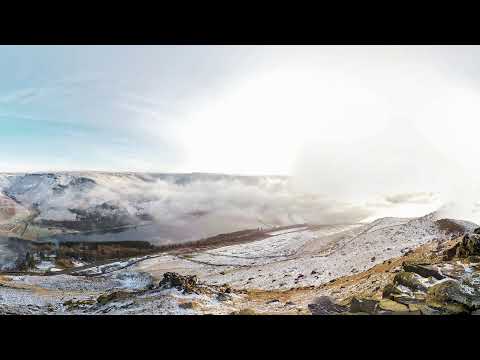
x=127, y=243
x=284, y=271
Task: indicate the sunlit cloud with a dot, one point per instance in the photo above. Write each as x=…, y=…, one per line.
x=352, y=123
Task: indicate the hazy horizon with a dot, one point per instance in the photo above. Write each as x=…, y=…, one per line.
x=356, y=123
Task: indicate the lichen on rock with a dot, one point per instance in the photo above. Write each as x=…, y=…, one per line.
x=453, y=297
x=410, y=280
x=390, y=305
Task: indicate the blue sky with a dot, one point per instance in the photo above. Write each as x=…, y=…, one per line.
x=232, y=109
x=353, y=122
x=101, y=107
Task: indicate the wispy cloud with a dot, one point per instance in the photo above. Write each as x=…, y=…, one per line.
x=412, y=198
x=22, y=96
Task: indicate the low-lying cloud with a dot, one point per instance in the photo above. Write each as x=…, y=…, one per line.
x=214, y=206
x=188, y=206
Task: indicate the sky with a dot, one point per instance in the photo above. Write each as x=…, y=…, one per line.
x=347, y=120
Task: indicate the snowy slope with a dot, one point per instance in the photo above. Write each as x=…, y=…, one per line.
x=304, y=257
x=5, y=181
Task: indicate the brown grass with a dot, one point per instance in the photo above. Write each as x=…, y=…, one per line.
x=367, y=284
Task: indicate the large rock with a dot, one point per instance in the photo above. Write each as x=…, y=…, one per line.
x=423, y=270
x=427, y=310
x=393, y=306
x=451, y=252
x=323, y=305
x=224, y=297
x=407, y=300
x=190, y=305
x=389, y=291
x=470, y=245
x=410, y=280
x=187, y=284
x=363, y=306
x=453, y=297
x=114, y=296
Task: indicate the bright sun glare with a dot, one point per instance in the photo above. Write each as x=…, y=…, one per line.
x=263, y=124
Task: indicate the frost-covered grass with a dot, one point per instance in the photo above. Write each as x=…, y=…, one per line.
x=303, y=257
x=300, y=257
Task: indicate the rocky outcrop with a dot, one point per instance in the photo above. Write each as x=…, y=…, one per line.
x=467, y=247
x=438, y=287
x=448, y=297
x=410, y=280
x=224, y=297
x=187, y=284
x=451, y=227
x=367, y=306
x=422, y=269
x=324, y=305
x=470, y=245
x=392, y=306
x=114, y=296
x=458, y=288
x=190, y=305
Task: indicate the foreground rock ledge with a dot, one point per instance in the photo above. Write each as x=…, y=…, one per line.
x=447, y=283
